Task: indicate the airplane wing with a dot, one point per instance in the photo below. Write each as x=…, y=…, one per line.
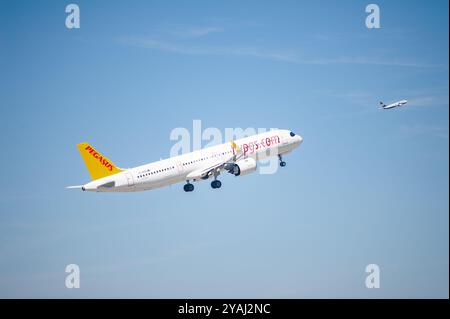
x=216, y=166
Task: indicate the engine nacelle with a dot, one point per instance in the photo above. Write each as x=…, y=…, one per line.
x=243, y=167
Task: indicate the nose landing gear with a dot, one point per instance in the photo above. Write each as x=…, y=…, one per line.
x=282, y=163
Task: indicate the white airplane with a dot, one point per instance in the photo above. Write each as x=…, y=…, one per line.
x=236, y=157
x=392, y=105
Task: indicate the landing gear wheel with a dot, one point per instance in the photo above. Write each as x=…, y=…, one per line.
x=282, y=163
x=188, y=187
x=216, y=184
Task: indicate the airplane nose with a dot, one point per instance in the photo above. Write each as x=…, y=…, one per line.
x=299, y=139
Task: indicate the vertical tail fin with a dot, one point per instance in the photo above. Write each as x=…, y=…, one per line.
x=97, y=165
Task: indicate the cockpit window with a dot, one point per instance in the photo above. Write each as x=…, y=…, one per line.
x=292, y=134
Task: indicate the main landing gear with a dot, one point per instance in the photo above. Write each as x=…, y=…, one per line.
x=188, y=187
x=282, y=163
x=216, y=184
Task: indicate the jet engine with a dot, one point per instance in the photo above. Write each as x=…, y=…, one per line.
x=242, y=167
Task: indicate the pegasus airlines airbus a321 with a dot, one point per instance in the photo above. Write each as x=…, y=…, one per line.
x=236, y=157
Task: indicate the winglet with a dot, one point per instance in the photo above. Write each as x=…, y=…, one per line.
x=234, y=146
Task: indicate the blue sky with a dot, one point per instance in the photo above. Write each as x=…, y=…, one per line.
x=366, y=186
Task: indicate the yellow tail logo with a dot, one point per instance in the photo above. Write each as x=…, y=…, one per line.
x=97, y=165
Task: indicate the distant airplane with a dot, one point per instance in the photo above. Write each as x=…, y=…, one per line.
x=236, y=157
x=392, y=105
